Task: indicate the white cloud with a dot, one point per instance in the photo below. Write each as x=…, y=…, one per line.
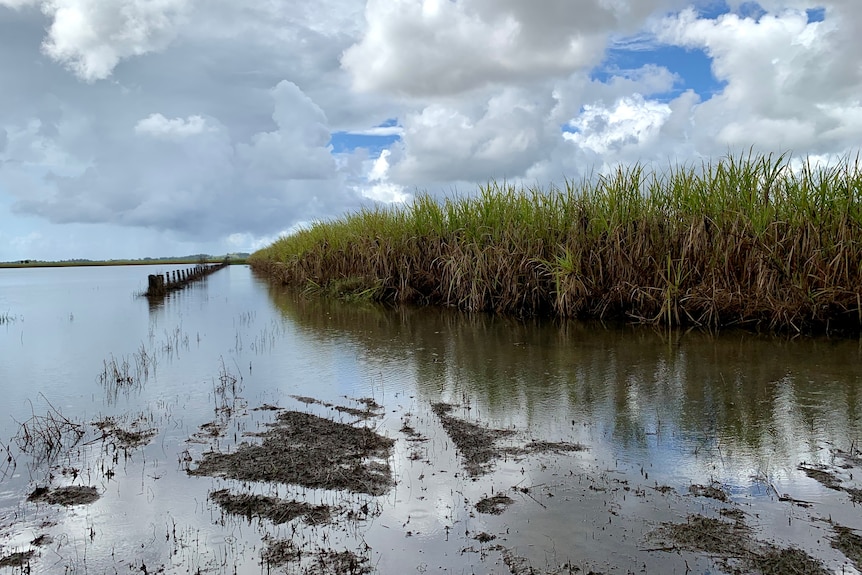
x=158, y=126
x=379, y=131
x=379, y=187
x=90, y=37
x=631, y=122
x=437, y=47
x=299, y=147
x=789, y=82
x=216, y=119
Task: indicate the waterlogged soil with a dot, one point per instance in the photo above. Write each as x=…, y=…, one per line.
x=137, y=434
x=19, y=559
x=66, y=496
x=479, y=446
x=734, y=546
x=273, y=509
x=287, y=554
x=308, y=450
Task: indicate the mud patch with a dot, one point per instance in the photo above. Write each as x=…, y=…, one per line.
x=713, y=491
x=20, y=559
x=476, y=444
x=855, y=494
x=209, y=431
x=734, y=546
x=558, y=447
x=370, y=407
x=273, y=509
x=495, y=505
x=42, y=540
x=774, y=561
x=284, y=552
x=848, y=543
x=311, y=451
x=706, y=535
x=825, y=478
x=135, y=436
x=521, y=566
x=66, y=496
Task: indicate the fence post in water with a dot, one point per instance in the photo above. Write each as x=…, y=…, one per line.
x=156, y=284
x=160, y=285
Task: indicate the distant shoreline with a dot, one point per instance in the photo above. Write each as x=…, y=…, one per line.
x=95, y=263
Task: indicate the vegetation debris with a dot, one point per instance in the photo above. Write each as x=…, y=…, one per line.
x=282, y=552
x=475, y=443
x=848, y=543
x=272, y=508
x=557, y=447
x=495, y=505
x=822, y=476
x=734, y=545
x=304, y=449
x=19, y=559
x=66, y=496
x=135, y=436
x=713, y=491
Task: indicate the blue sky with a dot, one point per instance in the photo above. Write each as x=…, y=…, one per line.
x=131, y=128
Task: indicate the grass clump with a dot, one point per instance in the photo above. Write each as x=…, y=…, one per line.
x=760, y=241
x=6, y=318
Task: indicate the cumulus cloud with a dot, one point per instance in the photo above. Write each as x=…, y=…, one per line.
x=501, y=133
x=18, y=4
x=215, y=122
x=631, y=122
x=789, y=82
x=379, y=188
x=158, y=126
x=437, y=47
x=299, y=147
x=90, y=37
x=189, y=175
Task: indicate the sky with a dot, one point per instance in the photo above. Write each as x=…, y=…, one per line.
x=147, y=128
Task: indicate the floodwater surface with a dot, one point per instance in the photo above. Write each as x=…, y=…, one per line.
x=240, y=427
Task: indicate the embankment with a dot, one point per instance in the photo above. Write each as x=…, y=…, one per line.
x=757, y=241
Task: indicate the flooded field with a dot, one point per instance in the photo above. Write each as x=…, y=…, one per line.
x=238, y=428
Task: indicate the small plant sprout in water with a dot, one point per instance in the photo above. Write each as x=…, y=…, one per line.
x=226, y=390
x=7, y=318
x=43, y=437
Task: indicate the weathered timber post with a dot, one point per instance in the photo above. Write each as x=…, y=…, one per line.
x=156, y=285
x=160, y=285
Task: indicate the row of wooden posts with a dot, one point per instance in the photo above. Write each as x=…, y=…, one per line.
x=161, y=284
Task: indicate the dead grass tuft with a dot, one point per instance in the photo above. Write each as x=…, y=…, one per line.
x=304, y=449
x=272, y=508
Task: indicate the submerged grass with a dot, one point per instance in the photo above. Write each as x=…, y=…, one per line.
x=760, y=241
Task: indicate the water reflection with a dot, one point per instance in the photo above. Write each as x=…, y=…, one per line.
x=751, y=403
x=655, y=410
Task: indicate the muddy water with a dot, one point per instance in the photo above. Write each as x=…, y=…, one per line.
x=669, y=424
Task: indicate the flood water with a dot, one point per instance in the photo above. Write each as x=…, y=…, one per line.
x=770, y=423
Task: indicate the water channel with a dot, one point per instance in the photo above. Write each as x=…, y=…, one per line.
x=599, y=438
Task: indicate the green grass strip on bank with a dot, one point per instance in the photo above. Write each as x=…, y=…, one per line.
x=755, y=240
x=100, y=263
